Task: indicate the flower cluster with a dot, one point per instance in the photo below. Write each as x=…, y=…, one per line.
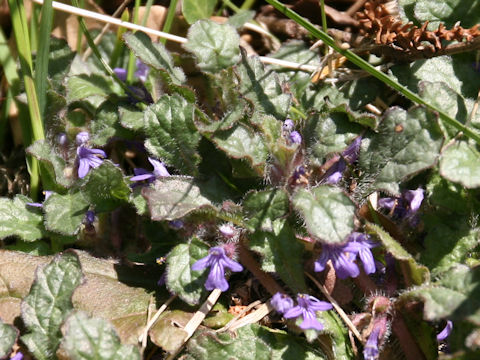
x=87, y=158
x=217, y=261
x=306, y=308
x=292, y=136
x=343, y=256
x=404, y=207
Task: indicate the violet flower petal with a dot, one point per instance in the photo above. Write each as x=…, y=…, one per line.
x=371, y=351
x=442, y=335
x=281, y=302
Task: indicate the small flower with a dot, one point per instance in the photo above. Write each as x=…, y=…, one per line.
x=227, y=230
x=82, y=138
x=288, y=125
x=89, y=218
x=142, y=71
x=281, y=302
x=406, y=206
x=121, y=73
x=176, y=224
x=88, y=158
x=442, y=335
x=62, y=139
x=295, y=137
x=349, y=156
x=343, y=256
x=371, y=351
x=159, y=170
x=47, y=194
x=307, y=308
x=18, y=356
x=217, y=261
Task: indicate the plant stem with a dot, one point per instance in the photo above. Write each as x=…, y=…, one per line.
x=169, y=20
x=131, y=59
x=355, y=59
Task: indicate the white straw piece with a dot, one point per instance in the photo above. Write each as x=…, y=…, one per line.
x=114, y=21
x=128, y=25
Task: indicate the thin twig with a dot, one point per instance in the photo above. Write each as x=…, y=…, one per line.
x=128, y=25
x=355, y=7
x=238, y=316
x=262, y=311
x=155, y=318
x=99, y=37
x=197, y=319
x=337, y=307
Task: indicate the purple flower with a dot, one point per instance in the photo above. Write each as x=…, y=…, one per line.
x=159, y=170
x=82, y=138
x=47, y=194
x=406, y=206
x=142, y=71
x=227, y=230
x=89, y=218
x=62, y=139
x=371, y=351
x=343, y=256
x=18, y=356
x=349, y=156
x=295, y=137
x=87, y=159
x=281, y=302
x=442, y=335
x=288, y=125
x=176, y=224
x=307, y=308
x=217, y=261
x=121, y=73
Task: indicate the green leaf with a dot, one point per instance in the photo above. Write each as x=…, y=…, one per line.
x=329, y=134
x=105, y=187
x=243, y=143
x=181, y=279
x=130, y=117
x=262, y=86
x=447, y=12
x=281, y=254
x=333, y=325
x=405, y=144
x=166, y=333
x=154, y=55
x=250, y=342
x=8, y=336
x=107, y=125
x=263, y=207
x=214, y=45
x=138, y=201
x=18, y=219
x=449, y=241
x=414, y=273
x=50, y=299
x=349, y=98
x=240, y=18
x=109, y=282
x=328, y=213
x=94, y=338
x=64, y=213
x=447, y=195
x=456, y=296
x=171, y=133
x=174, y=197
x=54, y=163
x=460, y=163
x=60, y=59
x=194, y=10
x=84, y=86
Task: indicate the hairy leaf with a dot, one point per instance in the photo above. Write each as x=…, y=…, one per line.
x=328, y=213
x=85, y=86
x=263, y=207
x=8, y=336
x=48, y=303
x=174, y=197
x=154, y=55
x=181, y=279
x=460, y=163
x=214, y=45
x=107, y=124
x=166, y=333
x=242, y=143
x=413, y=272
x=64, y=213
x=262, y=86
x=447, y=12
x=94, y=338
x=18, y=219
x=406, y=143
x=281, y=253
x=105, y=187
x=251, y=342
x=171, y=133
x=194, y=10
